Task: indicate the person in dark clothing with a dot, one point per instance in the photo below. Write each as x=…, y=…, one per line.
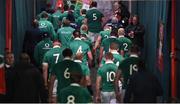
x=31, y=38
x=29, y=86
x=135, y=32
x=143, y=86
x=9, y=76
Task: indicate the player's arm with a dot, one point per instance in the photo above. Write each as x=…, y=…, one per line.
x=98, y=42
x=117, y=92
x=98, y=83
x=90, y=57
x=45, y=73
x=85, y=21
x=51, y=85
x=101, y=53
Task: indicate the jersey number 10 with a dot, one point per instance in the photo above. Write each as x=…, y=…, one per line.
x=110, y=76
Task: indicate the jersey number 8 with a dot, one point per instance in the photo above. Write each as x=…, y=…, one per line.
x=71, y=99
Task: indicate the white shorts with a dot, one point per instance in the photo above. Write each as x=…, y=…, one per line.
x=108, y=97
x=92, y=36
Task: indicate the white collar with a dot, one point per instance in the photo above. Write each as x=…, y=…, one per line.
x=109, y=62
x=112, y=37
x=67, y=58
x=133, y=55
x=74, y=84
x=121, y=36
x=114, y=51
x=78, y=61
x=93, y=8
x=77, y=39
x=56, y=46
x=7, y=66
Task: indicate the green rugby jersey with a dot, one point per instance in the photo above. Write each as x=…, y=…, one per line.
x=107, y=73
x=75, y=94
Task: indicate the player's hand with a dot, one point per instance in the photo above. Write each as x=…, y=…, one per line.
x=97, y=99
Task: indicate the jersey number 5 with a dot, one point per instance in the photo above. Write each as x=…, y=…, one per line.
x=94, y=17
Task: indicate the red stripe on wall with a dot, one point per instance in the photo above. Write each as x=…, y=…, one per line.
x=9, y=25
x=173, y=63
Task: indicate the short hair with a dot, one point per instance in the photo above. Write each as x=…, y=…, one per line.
x=121, y=31
x=76, y=33
x=72, y=7
x=134, y=48
x=83, y=11
x=56, y=42
x=94, y=4
x=114, y=46
x=45, y=35
x=35, y=23
x=67, y=52
x=66, y=7
x=76, y=77
x=66, y=21
x=114, y=32
x=24, y=57
x=109, y=56
x=44, y=14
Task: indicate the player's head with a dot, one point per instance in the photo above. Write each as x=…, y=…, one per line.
x=121, y=32
x=24, y=58
x=114, y=46
x=79, y=56
x=45, y=35
x=76, y=78
x=56, y=43
x=134, y=49
x=44, y=15
x=83, y=11
x=114, y=32
x=66, y=7
x=76, y=34
x=93, y=4
x=67, y=53
x=84, y=27
x=106, y=27
x=9, y=58
x=66, y=22
x=135, y=20
x=35, y=23
x=109, y=56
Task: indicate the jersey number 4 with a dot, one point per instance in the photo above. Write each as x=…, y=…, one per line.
x=79, y=50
